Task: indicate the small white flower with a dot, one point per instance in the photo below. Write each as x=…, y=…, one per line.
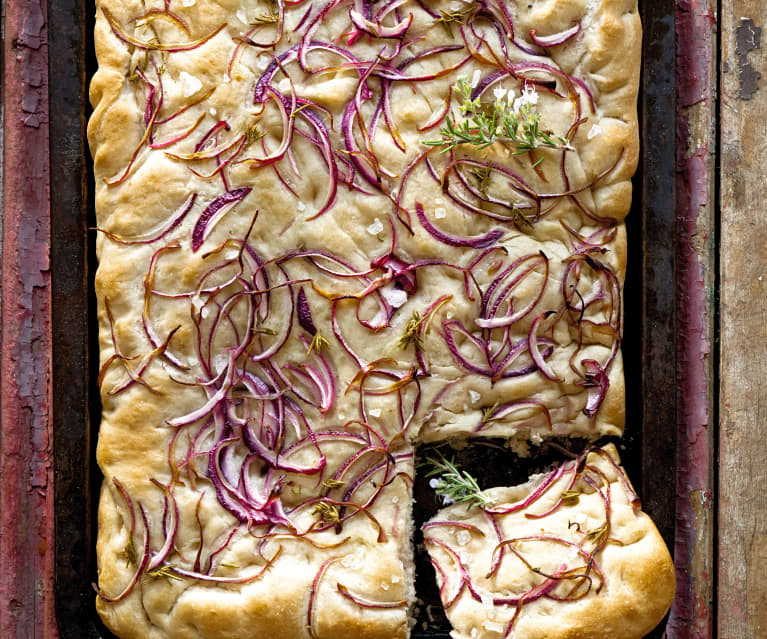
x=434, y=483
x=499, y=92
x=528, y=96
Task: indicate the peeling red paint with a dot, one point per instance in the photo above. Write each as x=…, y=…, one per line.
x=692, y=614
x=26, y=445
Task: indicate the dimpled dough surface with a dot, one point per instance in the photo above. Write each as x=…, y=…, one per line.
x=293, y=292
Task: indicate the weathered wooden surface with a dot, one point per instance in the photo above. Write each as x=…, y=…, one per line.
x=26, y=456
x=692, y=616
x=742, y=589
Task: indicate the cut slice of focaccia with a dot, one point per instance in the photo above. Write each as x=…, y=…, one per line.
x=568, y=554
x=328, y=232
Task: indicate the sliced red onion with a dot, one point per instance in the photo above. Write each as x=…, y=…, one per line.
x=535, y=352
x=364, y=602
x=214, y=212
x=482, y=241
x=555, y=39
x=148, y=46
x=597, y=382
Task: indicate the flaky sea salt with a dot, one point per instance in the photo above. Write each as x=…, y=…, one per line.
x=395, y=579
x=375, y=412
x=189, y=84
x=213, y=112
x=394, y=296
x=440, y=212
x=301, y=206
x=188, y=3
x=475, y=78
x=475, y=396
x=375, y=228
x=594, y=131
x=395, y=499
x=463, y=537
x=492, y=626
x=385, y=586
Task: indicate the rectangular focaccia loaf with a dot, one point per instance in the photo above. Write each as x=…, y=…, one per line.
x=569, y=554
x=327, y=232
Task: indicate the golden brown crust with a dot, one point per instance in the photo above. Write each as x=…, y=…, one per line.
x=638, y=581
x=136, y=197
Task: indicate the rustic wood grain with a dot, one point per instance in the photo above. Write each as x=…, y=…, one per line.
x=692, y=616
x=26, y=440
x=742, y=588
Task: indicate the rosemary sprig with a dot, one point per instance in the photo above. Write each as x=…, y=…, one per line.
x=253, y=134
x=271, y=17
x=318, y=343
x=453, y=485
x=457, y=17
x=410, y=334
x=327, y=512
x=164, y=571
x=514, y=122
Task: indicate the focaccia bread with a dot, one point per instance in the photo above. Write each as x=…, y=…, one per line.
x=569, y=554
x=328, y=232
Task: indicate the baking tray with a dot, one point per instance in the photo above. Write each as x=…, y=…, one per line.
x=650, y=351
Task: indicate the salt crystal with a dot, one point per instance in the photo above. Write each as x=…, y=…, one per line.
x=375, y=412
x=473, y=633
x=262, y=63
x=301, y=206
x=189, y=84
x=475, y=78
x=395, y=579
x=440, y=212
x=594, y=131
x=439, y=200
x=212, y=111
x=205, y=312
x=449, y=315
x=475, y=396
x=351, y=561
x=395, y=499
x=394, y=296
x=385, y=586
x=492, y=626
x=188, y=3
x=375, y=228
x=463, y=537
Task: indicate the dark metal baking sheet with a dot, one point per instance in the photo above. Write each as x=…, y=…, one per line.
x=648, y=449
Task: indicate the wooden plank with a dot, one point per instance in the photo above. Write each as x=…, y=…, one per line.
x=694, y=544
x=26, y=440
x=742, y=589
